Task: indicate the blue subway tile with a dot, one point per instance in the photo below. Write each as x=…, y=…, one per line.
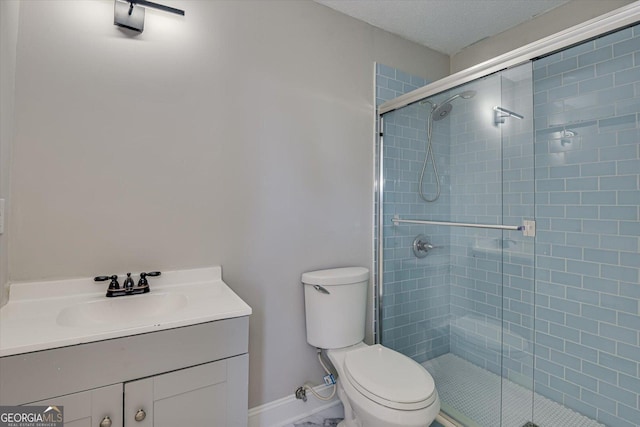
x=565, y=387
x=620, y=243
x=599, y=313
x=611, y=420
x=598, y=55
x=598, y=169
x=618, y=333
x=626, y=46
x=628, y=382
x=581, y=184
x=582, y=323
x=579, y=49
x=584, y=353
x=630, y=259
x=618, y=394
x=599, y=372
x=614, y=65
x=630, y=75
x=566, y=65
x=598, y=197
x=629, y=198
x=549, y=59
x=629, y=352
x=600, y=226
x=628, y=305
x=548, y=83
x=628, y=106
x=618, y=363
x=628, y=213
x=578, y=75
x=628, y=413
x=598, y=83
x=614, y=37
x=617, y=123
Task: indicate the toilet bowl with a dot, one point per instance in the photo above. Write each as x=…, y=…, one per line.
x=378, y=387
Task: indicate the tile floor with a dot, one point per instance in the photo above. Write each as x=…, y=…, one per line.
x=330, y=417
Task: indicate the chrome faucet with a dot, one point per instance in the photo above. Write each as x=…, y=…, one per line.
x=128, y=287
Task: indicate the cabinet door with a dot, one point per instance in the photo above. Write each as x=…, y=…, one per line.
x=192, y=397
x=89, y=408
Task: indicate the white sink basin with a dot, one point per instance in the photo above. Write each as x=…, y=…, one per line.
x=121, y=310
x=51, y=314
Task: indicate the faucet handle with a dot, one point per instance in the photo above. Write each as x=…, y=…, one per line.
x=114, y=281
x=143, y=283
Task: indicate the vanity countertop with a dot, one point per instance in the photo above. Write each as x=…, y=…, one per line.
x=52, y=314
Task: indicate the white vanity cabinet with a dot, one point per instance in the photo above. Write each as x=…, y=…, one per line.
x=190, y=376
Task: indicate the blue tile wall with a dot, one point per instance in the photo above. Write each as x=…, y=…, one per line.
x=587, y=148
x=416, y=291
x=492, y=183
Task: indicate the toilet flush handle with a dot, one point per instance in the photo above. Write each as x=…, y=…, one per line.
x=321, y=289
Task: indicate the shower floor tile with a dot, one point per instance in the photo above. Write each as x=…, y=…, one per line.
x=471, y=395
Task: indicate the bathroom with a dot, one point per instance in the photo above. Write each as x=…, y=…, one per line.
x=222, y=138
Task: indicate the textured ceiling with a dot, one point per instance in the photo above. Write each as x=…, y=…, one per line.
x=444, y=25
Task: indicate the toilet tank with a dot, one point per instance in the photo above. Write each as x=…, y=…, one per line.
x=335, y=303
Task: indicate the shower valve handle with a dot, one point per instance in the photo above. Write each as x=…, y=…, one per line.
x=421, y=246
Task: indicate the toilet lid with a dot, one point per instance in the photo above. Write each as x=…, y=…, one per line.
x=389, y=378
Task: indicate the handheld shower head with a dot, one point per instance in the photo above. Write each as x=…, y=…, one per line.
x=441, y=111
x=467, y=94
x=438, y=112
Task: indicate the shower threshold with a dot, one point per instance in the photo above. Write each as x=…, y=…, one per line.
x=470, y=395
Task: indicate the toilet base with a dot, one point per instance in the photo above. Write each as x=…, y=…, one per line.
x=359, y=411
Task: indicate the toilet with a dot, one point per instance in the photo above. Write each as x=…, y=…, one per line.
x=378, y=387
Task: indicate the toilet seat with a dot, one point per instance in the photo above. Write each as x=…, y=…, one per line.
x=389, y=378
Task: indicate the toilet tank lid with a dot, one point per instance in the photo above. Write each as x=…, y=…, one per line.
x=336, y=276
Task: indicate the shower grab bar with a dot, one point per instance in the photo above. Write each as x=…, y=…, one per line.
x=397, y=221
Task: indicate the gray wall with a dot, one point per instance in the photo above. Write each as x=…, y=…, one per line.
x=9, y=12
x=554, y=21
x=241, y=135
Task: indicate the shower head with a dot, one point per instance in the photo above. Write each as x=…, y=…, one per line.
x=467, y=94
x=441, y=111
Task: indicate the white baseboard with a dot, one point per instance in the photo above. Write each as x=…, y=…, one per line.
x=285, y=411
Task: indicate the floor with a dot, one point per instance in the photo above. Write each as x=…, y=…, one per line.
x=330, y=417
x=469, y=394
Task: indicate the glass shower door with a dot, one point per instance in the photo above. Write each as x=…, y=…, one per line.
x=459, y=299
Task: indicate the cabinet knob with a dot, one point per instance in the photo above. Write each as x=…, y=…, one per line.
x=106, y=422
x=140, y=415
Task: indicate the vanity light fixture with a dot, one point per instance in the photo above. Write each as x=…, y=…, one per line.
x=130, y=13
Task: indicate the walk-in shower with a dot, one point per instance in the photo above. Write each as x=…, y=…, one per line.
x=508, y=232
